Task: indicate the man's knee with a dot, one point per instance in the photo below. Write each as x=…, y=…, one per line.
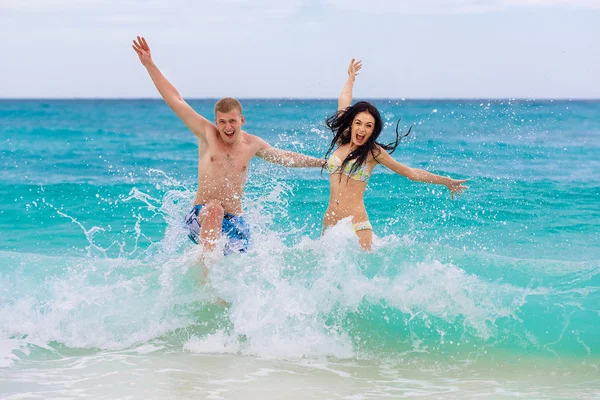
x=214, y=209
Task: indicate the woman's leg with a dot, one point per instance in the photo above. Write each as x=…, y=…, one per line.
x=364, y=231
x=365, y=238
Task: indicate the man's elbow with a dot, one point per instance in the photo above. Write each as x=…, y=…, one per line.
x=173, y=104
x=178, y=101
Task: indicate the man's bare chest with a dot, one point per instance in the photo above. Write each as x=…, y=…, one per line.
x=226, y=161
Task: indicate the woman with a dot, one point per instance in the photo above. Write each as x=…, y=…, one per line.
x=356, y=129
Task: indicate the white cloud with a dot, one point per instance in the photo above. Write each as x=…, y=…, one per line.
x=593, y=4
x=76, y=20
x=251, y=48
x=200, y=9
x=417, y=6
x=452, y=6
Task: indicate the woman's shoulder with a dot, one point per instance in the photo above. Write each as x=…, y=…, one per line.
x=377, y=154
x=341, y=149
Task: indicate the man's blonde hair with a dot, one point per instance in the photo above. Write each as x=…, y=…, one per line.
x=228, y=104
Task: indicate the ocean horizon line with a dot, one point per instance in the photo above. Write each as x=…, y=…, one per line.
x=419, y=99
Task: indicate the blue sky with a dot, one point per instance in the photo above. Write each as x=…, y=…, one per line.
x=301, y=48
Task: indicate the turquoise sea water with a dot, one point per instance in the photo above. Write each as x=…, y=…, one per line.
x=95, y=263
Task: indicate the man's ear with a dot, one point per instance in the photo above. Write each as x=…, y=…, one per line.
x=243, y=120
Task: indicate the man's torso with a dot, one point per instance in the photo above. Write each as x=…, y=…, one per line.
x=223, y=170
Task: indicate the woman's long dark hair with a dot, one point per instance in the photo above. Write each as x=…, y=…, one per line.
x=341, y=125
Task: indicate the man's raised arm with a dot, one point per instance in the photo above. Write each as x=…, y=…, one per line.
x=194, y=121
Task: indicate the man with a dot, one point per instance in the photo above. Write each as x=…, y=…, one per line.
x=224, y=153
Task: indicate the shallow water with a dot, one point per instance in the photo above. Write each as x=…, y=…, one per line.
x=495, y=294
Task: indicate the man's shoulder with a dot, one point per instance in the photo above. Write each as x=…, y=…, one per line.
x=248, y=136
x=252, y=140
x=212, y=133
x=254, y=144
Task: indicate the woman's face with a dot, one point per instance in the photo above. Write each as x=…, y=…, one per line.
x=362, y=128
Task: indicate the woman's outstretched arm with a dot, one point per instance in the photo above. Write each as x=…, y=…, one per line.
x=455, y=186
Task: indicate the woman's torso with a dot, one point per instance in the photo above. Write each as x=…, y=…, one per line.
x=346, y=198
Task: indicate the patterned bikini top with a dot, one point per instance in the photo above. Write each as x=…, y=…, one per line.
x=361, y=174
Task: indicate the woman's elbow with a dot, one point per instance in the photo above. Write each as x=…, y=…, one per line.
x=412, y=174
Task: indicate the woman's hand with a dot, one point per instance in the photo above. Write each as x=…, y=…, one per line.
x=456, y=186
x=353, y=69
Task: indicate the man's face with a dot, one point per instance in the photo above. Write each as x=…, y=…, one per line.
x=230, y=125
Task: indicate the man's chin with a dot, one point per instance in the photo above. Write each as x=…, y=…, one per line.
x=229, y=138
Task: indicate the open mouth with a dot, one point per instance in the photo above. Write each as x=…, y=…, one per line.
x=360, y=138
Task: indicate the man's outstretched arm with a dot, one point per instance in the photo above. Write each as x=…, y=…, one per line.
x=194, y=121
x=287, y=158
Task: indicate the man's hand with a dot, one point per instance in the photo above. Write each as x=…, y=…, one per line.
x=143, y=51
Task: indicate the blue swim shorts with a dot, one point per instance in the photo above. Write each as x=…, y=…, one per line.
x=235, y=228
